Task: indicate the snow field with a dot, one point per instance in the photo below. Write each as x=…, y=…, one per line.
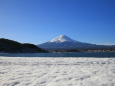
x=23, y=71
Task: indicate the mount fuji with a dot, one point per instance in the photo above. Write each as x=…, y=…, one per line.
x=62, y=38
x=63, y=42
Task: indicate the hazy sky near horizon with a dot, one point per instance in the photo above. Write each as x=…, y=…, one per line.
x=38, y=21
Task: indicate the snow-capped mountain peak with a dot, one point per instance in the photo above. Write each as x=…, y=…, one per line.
x=62, y=38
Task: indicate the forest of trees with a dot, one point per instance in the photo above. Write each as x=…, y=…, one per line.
x=11, y=46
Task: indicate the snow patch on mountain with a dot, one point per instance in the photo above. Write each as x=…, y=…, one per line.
x=62, y=38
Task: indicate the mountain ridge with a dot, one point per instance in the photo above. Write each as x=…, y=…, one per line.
x=63, y=42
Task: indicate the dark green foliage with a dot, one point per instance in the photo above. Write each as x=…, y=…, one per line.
x=11, y=46
x=32, y=48
x=7, y=45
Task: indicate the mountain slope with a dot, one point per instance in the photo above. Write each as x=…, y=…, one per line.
x=62, y=38
x=63, y=42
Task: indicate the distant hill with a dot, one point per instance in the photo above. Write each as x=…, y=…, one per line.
x=65, y=43
x=11, y=46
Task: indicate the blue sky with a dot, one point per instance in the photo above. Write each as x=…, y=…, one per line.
x=38, y=21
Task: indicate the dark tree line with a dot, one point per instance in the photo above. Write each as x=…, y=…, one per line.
x=11, y=46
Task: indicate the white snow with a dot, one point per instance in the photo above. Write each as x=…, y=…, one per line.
x=62, y=38
x=37, y=71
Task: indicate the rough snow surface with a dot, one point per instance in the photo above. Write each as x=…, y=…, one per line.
x=62, y=38
x=23, y=71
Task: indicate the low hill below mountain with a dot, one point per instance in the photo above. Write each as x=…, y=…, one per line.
x=10, y=46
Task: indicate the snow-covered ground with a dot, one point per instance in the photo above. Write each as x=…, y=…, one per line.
x=23, y=71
